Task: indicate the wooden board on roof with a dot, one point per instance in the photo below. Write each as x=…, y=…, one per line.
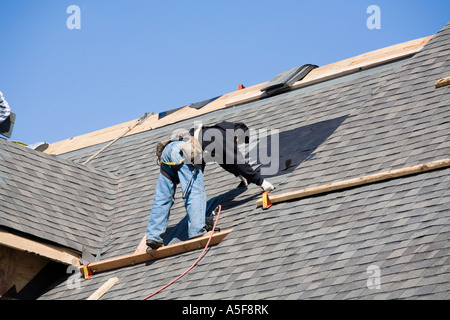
x=323, y=73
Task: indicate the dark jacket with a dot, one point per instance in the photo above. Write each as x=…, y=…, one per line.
x=229, y=151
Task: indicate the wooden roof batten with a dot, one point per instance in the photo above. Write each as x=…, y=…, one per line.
x=52, y=252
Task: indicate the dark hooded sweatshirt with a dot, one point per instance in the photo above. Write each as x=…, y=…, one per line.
x=226, y=154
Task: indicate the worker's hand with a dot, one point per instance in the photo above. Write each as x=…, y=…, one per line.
x=244, y=181
x=267, y=186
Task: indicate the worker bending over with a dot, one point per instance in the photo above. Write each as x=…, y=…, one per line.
x=182, y=160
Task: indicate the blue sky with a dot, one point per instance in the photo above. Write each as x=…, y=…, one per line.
x=136, y=56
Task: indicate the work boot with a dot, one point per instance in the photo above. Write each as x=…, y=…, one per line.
x=211, y=219
x=153, y=244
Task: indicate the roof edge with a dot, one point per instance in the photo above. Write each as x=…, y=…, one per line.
x=52, y=252
x=324, y=73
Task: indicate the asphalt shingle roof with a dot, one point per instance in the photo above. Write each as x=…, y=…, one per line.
x=54, y=199
x=314, y=248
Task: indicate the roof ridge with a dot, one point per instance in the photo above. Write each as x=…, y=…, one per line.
x=333, y=70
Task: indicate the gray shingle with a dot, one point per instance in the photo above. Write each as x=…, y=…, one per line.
x=312, y=248
x=45, y=204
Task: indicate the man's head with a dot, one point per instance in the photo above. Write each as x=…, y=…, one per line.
x=242, y=132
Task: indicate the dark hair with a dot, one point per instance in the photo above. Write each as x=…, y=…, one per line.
x=244, y=128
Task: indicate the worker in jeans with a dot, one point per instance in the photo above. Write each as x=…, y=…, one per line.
x=175, y=169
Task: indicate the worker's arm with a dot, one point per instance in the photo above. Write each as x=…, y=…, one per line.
x=244, y=171
x=231, y=158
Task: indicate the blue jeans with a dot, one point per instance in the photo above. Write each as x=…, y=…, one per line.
x=195, y=202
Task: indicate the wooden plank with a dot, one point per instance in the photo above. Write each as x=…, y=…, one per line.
x=128, y=129
x=443, y=82
x=162, y=252
x=103, y=289
x=344, y=67
x=142, y=247
x=358, y=181
x=323, y=73
x=62, y=255
x=364, y=61
x=87, y=139
x=248, y=94
x=152, y=122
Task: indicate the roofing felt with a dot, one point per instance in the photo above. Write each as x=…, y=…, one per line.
x=314, y=248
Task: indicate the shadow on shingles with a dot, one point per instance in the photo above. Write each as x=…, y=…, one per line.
x=179, y=232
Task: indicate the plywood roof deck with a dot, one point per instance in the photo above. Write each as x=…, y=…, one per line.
x=323, y=73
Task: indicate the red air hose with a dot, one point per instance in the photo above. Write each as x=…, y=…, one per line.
x=193, y=265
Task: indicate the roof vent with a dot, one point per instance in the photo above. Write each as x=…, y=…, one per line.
x=39, y=146
x=6, y=126
x=197, y=105
x=287, y=78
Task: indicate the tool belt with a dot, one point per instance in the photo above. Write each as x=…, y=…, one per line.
x=175, y=166
x=191, y=148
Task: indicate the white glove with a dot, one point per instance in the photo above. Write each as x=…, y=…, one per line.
x=244, y=180
x=267, y=186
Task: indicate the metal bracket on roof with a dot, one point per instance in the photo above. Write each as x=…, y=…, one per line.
x=87, y=273
x=266, y=203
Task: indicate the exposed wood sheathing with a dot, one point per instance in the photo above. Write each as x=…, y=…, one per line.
x=17, y=268
x=58, y=254
x=327, y=72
